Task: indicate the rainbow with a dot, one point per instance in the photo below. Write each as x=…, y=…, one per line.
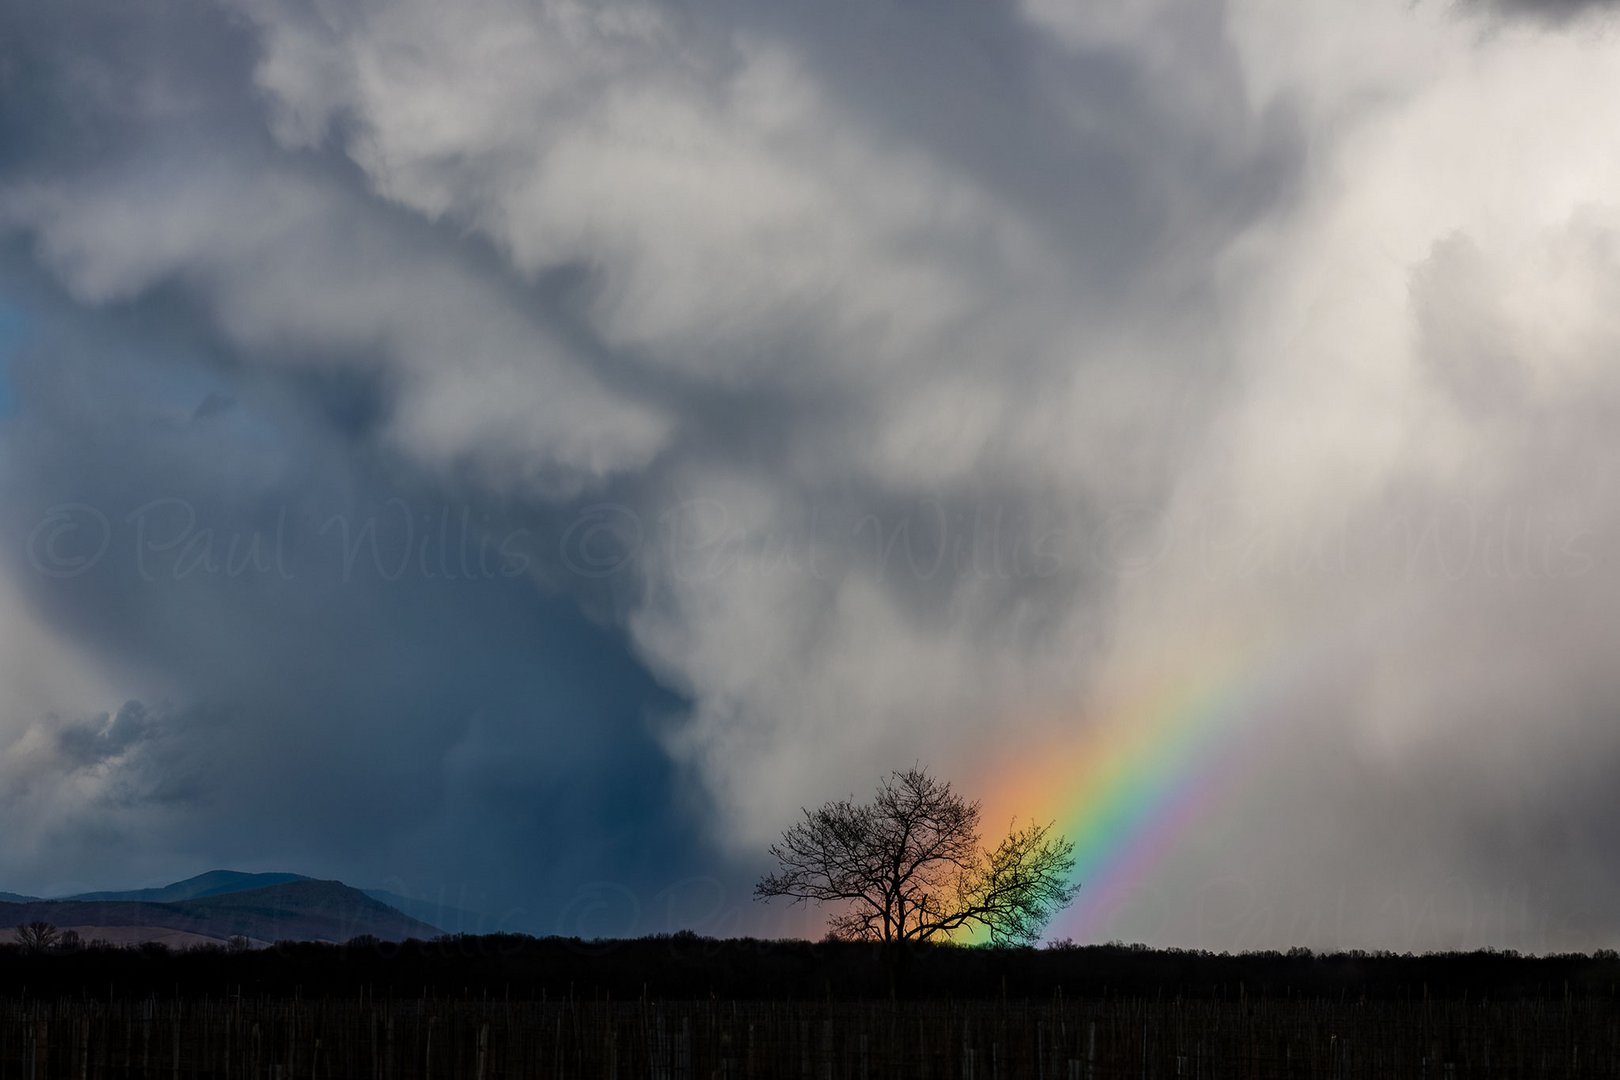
x=1138, y=777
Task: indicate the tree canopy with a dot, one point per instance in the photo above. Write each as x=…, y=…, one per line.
x=909, y=866
x=37, y=936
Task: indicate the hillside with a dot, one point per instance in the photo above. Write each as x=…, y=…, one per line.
x=298, y=910
x=316, y=910
x=212, y=883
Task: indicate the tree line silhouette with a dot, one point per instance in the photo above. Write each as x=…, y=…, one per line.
x=686, y=966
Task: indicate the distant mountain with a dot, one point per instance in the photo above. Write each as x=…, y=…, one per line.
x=212, y=883
x=302, y=909
x=15, y=898
x=314, y=910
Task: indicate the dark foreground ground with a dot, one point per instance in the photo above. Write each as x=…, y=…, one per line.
x=683, y=1007
x=279, y=1038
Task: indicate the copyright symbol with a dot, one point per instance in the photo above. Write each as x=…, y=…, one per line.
x=603, y=539
x=69, y=540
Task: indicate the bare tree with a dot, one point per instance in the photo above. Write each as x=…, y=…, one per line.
x=908, y=866
x=37, y=936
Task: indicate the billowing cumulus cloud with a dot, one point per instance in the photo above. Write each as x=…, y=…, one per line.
x=538, y=446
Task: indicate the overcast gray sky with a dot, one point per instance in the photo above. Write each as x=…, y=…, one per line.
x=521, y=451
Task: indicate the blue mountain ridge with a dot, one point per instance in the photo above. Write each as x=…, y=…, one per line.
x=211, y=883
x=222, y=904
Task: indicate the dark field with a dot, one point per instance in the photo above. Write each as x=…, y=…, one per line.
x=973, y=1039
x=687, y=1008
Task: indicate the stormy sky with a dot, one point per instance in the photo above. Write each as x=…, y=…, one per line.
x=518, y=452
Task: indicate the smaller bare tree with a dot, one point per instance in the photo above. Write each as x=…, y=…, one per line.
x=37, y=936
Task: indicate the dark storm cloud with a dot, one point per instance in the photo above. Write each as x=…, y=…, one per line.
x=364, y=665
x=370, y=688
x=91, y=742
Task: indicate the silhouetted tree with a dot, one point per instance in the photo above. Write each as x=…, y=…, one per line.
x=36, y=936
x=908, y=866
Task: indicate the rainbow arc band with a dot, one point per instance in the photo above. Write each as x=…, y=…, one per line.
x=1140, y=777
